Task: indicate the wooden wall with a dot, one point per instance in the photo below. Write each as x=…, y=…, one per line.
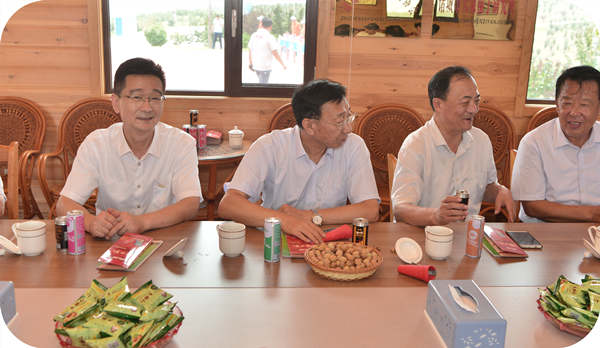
x=50, y=53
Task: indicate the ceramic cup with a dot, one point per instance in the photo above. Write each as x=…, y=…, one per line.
x=236, y=137
x=31, y=237
x=232, y=238
x=438, y=242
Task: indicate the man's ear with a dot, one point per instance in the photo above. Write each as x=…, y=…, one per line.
x=308, y=124
x=437, y=104
x=115, y=102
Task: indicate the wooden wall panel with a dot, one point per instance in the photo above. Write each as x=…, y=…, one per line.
x=50, y=52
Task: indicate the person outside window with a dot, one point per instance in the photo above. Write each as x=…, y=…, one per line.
x=262, y=47
x=217, y=31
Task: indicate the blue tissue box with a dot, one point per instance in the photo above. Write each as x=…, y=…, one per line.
x=7, y=301
x=459, y=327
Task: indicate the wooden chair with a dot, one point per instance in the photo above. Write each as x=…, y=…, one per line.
x=23, y=121
x=542, y=117
x=502, y=135
x=391, y=164
x=383, y=129
x=78, y=121
x=282, y=118
x=10, y=155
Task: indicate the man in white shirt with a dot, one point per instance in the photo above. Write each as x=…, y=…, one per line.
x=445, y=155
x=306, y=174
x=556, y=175
x=262, y=47
x=146, y=172
x=217, y=31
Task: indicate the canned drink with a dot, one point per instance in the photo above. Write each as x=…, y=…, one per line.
x=201, y=136
x=60, y=228
x=360, y=231
x=463, y=195
x=475, y=226
x=194, y=133
x=272, y=239
x=75, y=232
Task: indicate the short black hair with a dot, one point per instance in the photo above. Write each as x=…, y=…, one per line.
x=440, y=82
x=308, y=99
x=137, y=66
x=267, y=22
x=578, y=74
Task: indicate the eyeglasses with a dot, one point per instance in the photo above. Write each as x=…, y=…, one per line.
x=348, y=120
x=139, y=100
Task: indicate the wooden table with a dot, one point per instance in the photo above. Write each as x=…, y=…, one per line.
x=245, y=302
x=213, y=156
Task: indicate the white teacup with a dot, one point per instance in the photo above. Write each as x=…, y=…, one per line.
x=232, y=238
x=438, y=242
x=31, y=237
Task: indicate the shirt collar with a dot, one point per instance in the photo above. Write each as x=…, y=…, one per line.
x=123, y=148
x=300, y=151
x=560, y=140
x=438, y=138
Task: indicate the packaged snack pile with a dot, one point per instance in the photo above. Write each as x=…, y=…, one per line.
x=572, y=307
x=116, y=317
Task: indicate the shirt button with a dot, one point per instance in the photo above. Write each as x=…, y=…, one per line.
x=138, y=206
x=139, y=164
x=138, y=186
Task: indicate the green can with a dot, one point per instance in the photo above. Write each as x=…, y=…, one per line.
x=272, y=239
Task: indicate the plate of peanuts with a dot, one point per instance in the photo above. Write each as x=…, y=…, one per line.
x=343, y=261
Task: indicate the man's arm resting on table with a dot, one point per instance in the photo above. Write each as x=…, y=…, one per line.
x=98, y=226
x=450, y=210
x=368, y=209
x=557, y=212
x=236, y=206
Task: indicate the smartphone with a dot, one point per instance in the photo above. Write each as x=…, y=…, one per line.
x=524, y=239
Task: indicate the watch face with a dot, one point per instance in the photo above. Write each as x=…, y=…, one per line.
x=317, y=220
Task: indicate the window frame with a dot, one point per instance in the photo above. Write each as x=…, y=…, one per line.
x=232, y=54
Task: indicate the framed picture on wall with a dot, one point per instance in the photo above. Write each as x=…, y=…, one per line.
x=445, y=10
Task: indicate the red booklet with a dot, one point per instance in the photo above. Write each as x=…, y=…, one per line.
x=502, y=242
x=125, y=250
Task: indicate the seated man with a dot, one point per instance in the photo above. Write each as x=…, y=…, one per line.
x=146, y=172
x=445, y=155
x=555, y=174
x=306, y=174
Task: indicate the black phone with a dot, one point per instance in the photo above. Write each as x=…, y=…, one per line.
x=524, y=239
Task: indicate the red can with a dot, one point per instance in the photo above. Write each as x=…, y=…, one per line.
x=75, y=232
x=201, y=136
x=475, y=225
x=193, y=130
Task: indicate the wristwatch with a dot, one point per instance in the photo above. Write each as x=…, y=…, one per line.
x=317, y=219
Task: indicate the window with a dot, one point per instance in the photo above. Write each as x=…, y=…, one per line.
x=566, y=35
x=205, y=47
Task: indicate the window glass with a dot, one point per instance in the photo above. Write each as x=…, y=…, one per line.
x=273, y=42
x=566, y=35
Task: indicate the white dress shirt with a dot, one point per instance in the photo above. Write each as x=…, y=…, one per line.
x=548, y=167
x=262, y=44
x=166, y=174
x=427, y=170
x=277, y=167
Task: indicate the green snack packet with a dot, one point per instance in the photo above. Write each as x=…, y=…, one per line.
x=159, y=313
x=123, y=310
x=117, y=292
x=108, y=324
x=583, y=318
x=594, y=302
x=79, y=334
x=137, y=334
x=96, y=290
x=591, y=285
x=107, y=342
x=572, y=294
x=567, y=320
x=159, y=329
x=151, y=296
x=81, y=308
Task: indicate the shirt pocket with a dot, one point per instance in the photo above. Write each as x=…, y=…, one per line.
x=161, y=196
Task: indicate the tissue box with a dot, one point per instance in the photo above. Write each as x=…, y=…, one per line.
x=7, y=301
x=459, y=327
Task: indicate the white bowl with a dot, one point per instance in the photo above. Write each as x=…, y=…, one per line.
x=232, y=247
x=438, y=242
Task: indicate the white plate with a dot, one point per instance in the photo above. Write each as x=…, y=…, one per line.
x=408, y=250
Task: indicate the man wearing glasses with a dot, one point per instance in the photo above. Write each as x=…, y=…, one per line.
x=306, y=174
x=146, y=172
